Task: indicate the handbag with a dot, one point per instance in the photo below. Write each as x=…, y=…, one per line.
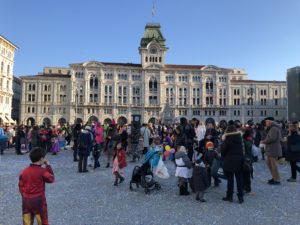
x=247, y=165
x=295, y=147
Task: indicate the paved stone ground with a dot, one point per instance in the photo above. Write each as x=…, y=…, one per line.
x=90, y=198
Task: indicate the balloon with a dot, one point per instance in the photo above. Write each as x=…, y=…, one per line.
x=166, y=154
x=168, y=148
x=172, y=150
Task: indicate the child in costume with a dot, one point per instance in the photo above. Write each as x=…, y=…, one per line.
x=32, y=188
x=183, y=165
x=210, y=155
x=199, y=179
x=119, y=163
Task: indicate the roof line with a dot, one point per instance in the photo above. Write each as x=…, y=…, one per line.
x=9, y=41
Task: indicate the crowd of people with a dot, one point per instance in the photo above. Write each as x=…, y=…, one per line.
x=202, y=152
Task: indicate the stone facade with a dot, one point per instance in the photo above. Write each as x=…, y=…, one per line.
x=7, y=54
x=157, y=91
x=15, y=111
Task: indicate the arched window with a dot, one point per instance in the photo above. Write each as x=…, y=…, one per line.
x=29, y=87
x=2, y=67
x=8, y=69
x=150, y=84
x=146, y=59
x=33, y=87
x=153, y=84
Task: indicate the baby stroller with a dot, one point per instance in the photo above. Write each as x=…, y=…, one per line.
x=143, y=176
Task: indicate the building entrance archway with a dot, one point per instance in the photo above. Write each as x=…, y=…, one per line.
x=122, y=121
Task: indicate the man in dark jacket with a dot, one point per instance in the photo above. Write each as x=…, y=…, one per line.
x=75, y=133
x=273, y=148
x=85, y=146
x=189, y=134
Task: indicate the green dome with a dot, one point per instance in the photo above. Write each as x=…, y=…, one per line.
x=152, y=32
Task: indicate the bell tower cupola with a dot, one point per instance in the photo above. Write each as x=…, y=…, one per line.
x=153, y=47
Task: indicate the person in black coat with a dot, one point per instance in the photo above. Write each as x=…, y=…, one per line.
x=233, y=156
x=85, y=146
x=293, y=156
x=75, y=134
x=199, y=180
x=20, y=134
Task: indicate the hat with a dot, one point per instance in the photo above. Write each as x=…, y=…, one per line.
x=270, y=118
x=209, y=145
x=88, y=128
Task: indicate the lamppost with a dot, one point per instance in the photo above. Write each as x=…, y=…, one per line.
x=251, y=92
x=76, y=101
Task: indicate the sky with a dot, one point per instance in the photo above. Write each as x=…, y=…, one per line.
x=260, y=36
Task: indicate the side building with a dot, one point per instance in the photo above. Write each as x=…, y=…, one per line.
x=101, y=91
x=7, y=54
x=16, y=100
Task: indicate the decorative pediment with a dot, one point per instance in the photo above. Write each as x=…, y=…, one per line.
x=210, y=68
x=93, y=64
x=154, y=66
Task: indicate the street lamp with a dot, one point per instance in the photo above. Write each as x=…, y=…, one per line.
x=251, y=92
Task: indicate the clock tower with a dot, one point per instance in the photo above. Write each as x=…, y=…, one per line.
x=153, y=47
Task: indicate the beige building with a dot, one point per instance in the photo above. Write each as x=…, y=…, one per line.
x=7, y=54
x=158, y=91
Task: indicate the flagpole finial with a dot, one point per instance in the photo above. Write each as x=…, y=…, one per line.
x=153, y=10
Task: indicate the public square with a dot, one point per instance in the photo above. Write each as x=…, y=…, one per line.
x=91, y=199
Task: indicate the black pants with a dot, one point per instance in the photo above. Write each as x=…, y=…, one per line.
x=294, y=169
x=190, y=151
x=247, y=181
x=230, y=183
x=75, y=150
x=82, y=163
x=210, y=175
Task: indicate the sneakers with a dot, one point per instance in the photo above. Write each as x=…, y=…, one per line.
x=200, y=199
x=273, y=182
x=227, y=199
x=291, y=180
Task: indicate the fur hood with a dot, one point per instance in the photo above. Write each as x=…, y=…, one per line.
x=230, y=134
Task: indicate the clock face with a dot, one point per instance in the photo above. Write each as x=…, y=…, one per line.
x=153, y=50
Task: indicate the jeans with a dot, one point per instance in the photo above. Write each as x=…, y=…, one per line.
x=82, y=163
x=294, y=169
x=97, y=154
x=230, y=183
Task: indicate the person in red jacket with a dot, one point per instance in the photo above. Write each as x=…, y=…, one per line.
x=119, y=163
x=32, y=187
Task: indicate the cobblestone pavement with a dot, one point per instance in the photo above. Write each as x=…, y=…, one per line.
x=90, y=198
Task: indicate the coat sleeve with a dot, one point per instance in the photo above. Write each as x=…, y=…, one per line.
x=187, y=161
x=272, y=136
x=48, y=175
x=224, y=148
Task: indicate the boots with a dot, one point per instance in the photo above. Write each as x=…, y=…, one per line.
x=228, y=198
x=181, y=189
x=121, y=179
x=186, y=192
x=107, y=165
x=116, y=181
x=241, y=198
